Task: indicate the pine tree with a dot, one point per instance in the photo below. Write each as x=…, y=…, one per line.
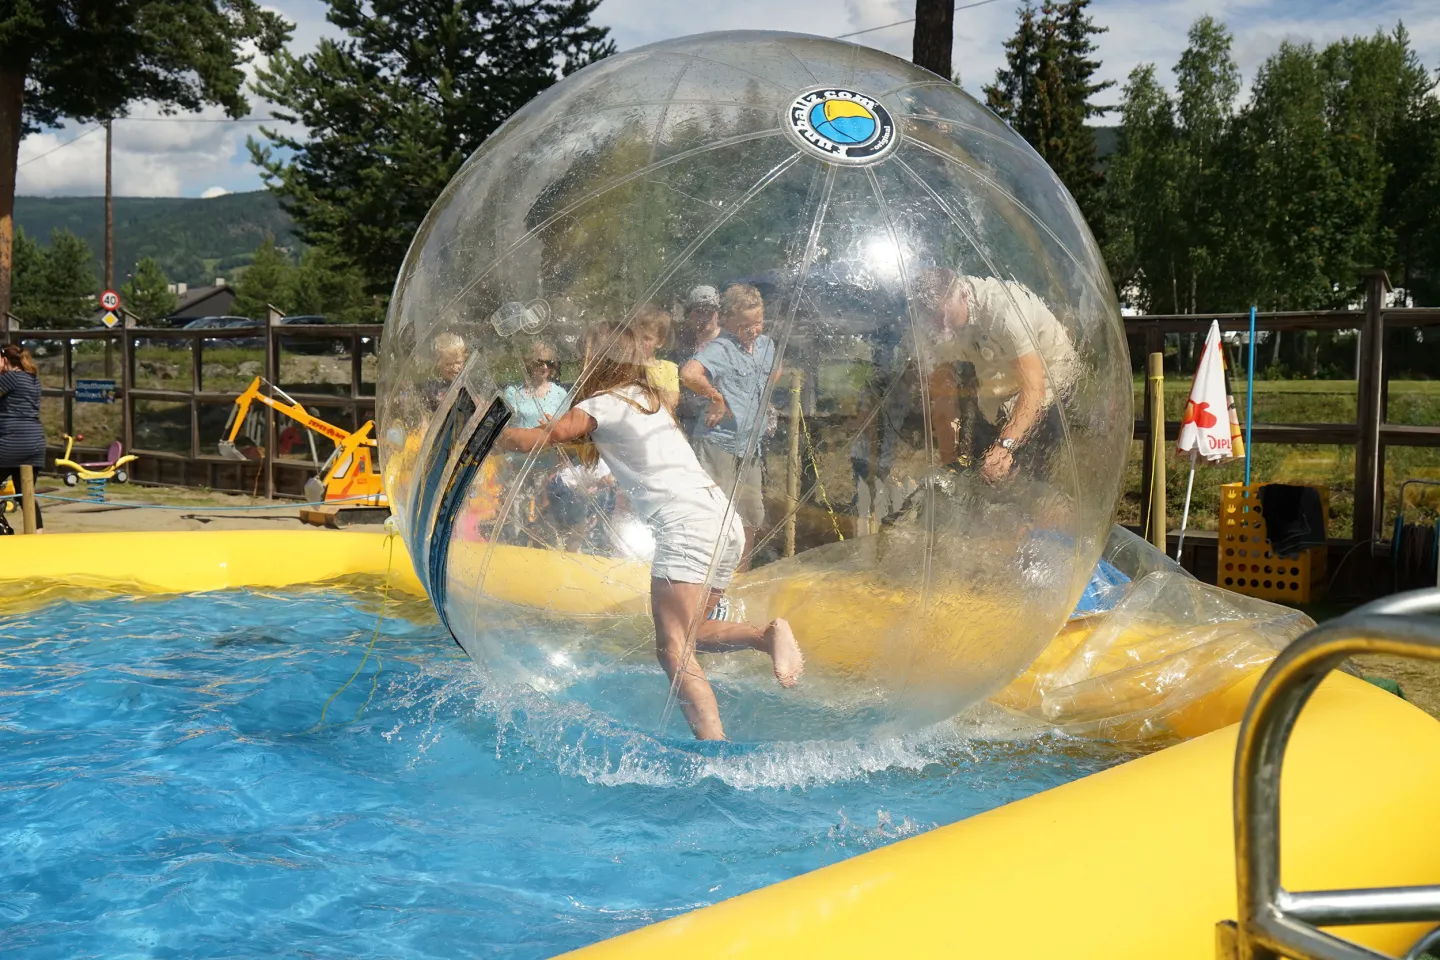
x=321, y=286
x=1012, y=95
x=55, y=286
x=29, y=285
x=1046, y=90
x=265, y=283
x=396, y=105
x=89, y=61
x=147, y=295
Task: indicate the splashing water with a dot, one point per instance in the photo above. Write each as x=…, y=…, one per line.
x=168, y=791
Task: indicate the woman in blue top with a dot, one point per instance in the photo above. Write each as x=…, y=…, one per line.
x=539, y=399
x=22, y=439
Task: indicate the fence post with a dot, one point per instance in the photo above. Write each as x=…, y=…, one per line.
x=1154, y=343
x=27, y=498
x=127, y=369
x=1370, y=387
x=67, y=382
x=272, y=375
x=1155, y=416
x=197, y=359
x=357, y=374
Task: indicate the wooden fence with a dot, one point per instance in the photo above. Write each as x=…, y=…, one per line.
x=1370, y=434
x=199, y=465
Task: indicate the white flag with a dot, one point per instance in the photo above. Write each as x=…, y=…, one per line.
x=1205, y=427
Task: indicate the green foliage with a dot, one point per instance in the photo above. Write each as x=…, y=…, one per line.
x=88, y=61
x=146, y=295
x=54, y=286
x=321, y=285
x=178, y=233
x=1329, y=169
x=268, y=281
x=318, y=285
x=1046, y=92
x=395, y=106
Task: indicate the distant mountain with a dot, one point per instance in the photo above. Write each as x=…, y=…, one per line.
x=194, y=240
x=199, y=240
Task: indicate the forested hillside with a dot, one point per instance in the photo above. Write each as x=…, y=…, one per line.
x=193, y=240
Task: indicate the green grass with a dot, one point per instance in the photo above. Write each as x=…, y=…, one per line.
x=1415, y=402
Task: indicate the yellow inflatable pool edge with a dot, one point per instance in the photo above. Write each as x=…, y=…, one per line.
x=197, y=561
x=1133, y=862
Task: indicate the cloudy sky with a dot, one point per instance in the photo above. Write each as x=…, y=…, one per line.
x=205, y=157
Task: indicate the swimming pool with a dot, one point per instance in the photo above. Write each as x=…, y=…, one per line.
x=168, y=793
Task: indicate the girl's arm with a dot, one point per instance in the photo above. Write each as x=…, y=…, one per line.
x=567, y=429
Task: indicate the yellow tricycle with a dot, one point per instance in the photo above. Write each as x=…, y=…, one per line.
x=111, y=468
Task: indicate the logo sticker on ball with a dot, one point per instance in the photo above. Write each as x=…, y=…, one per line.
x=843, y=126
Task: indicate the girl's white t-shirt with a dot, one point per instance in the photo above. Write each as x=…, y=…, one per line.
x=647, y=452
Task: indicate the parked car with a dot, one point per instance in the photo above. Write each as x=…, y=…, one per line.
x=225, y=323
x=309, y=345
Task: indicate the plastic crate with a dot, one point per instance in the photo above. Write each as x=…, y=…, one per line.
x=1247, y=565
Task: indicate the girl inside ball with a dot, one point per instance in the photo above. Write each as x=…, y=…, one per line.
x=620, y=416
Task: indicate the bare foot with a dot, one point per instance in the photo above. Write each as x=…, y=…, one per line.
x=789, y=662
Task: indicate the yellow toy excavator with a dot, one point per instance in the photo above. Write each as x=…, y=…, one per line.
x=348, y=482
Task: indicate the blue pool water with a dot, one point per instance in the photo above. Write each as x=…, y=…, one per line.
x=166, y=791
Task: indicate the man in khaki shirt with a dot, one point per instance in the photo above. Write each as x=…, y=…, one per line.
x=1022, y=360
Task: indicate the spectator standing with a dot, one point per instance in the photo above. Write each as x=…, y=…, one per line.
x=732, y=373
x=699, y=325
x=22, y=438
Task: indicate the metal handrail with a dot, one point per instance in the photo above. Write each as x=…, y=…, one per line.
x=1274, y=922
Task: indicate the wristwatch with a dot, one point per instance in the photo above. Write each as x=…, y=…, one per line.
x=1007, y=443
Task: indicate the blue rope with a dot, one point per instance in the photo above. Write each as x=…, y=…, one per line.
x=1250, y=399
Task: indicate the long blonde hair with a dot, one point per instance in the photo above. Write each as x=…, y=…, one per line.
x=614, y=361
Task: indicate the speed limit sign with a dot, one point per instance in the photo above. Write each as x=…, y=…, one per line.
x=110, y=300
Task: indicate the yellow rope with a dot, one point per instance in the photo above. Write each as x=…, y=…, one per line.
x=379, y=621
x=819, y=484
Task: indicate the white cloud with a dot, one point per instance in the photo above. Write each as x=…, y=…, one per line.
x=211, y=192
x=197, y=158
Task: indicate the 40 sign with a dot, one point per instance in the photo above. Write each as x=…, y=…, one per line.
x=110, y=300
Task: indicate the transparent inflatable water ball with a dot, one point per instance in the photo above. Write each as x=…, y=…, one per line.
x=927, y=391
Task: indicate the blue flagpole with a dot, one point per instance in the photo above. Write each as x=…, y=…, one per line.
x=1250, y=399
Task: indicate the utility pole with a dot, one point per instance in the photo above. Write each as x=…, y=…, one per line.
x=109, y=216
x=934, y=35
x=109, y=247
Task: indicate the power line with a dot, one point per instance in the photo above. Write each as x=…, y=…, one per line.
x=101, y=126
x=200, y=120
x=887, y=26
x=277, y=120
x=63, y=145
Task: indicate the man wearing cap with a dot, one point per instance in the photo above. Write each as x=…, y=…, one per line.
x=996, y=349
x=732, y=372
x=699, y=325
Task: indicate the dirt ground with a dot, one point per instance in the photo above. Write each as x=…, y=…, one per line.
x=188, y=508
x=166, y=508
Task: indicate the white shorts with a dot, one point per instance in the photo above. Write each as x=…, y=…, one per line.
x=689, y=536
